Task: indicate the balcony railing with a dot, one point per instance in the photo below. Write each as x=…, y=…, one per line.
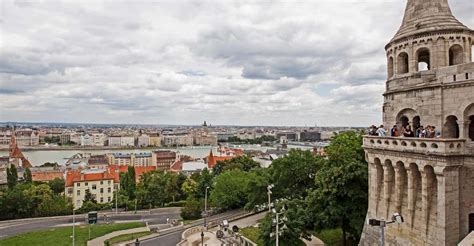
x=436, y=146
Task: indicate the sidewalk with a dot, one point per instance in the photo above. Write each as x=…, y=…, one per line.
x=100, y=240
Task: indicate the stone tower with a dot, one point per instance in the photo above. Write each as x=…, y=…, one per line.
x=430, y=181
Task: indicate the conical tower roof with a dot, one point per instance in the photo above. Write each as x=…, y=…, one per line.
x=426, y=16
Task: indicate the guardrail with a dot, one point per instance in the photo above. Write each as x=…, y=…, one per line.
x=437, y=146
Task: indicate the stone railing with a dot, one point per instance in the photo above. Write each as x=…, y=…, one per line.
x=435, y=146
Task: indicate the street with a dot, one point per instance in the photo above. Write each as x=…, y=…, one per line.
x=157, y=216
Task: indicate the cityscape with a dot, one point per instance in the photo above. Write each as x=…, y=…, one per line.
x=237, y=123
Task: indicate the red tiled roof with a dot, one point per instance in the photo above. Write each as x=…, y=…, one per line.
x=77, y=176
x=177, y=166
x=212, y=160
x=47, y=176
x=138, y=170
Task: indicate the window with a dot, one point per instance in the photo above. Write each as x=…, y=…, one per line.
x=451, y=127
x=109, y=199
x=456, y=55
x=101, y=200
x=101, y=182
x=94, y=187
x=78, y=184
x=69, y=190
x=110, y=182
x=423, y=59
x=86, y=184
x=109, y=190
x=402, y=63
x=78, y=192
x=101, y=190
x=390, y=67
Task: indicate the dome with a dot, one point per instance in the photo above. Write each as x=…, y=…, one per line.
x=423, y=16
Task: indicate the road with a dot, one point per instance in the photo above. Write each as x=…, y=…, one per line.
x=153, y=217
x=174, y=237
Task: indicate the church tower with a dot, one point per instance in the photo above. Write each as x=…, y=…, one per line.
x=429, y=181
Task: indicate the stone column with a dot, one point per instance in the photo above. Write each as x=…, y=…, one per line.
x=388, y=181
x=400, y=176
x=413, y=184
x=464, y=129
x=412, y=60
x=448, y=205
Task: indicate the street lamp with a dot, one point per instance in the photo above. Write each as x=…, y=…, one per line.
x=277, y=224
x=269, y=192
x=205, y=207
x=73, y=226
x=396, y=218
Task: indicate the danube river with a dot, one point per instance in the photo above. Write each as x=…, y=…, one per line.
x=38, y=157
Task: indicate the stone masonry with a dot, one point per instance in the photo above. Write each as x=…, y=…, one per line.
x=430, y=181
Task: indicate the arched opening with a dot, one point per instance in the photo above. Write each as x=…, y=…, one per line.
x=390, y=67
x=389, y=180
x=401, y=185
x=415, y=195
x=423, y=59
x=403, y=118
x=402, y=63
x=451, y=127
x=471, y=128
x=379, y=183
x=456, y=55
x=471, y=222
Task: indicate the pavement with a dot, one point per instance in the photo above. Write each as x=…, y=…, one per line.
x=100, y=240
x=172, y=236
x=154, y=218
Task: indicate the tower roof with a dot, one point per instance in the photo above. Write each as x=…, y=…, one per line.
x=427, y=16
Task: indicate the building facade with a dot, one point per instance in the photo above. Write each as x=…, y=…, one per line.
x=429, y=181
x=163, y=159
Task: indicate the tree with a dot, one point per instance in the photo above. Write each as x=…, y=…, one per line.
x=294, y=174
x=12, y=177
x=128, y=183
x=27, y=176
x=57, y=185
x=340, y=197
x=88, y=197
x=205, y=180
x=243, y=163
x=189, y=187
x=257, y=188
x=230, y=190
x=192, y=209
x=294, y=217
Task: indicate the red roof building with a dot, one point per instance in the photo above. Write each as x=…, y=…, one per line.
x=212, y=160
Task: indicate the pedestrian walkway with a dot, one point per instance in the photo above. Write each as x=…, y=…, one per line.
x=100, y=240
x=314, y=241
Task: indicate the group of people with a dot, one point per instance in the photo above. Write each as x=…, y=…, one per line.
x=407, y=131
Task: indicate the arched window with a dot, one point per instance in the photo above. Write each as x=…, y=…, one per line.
x=423, y=59
x=451, y=127
x=456, y=55
x=416, y=122
x=402, y=63
x=471, y=128
x=390, y=67
x=471, y=222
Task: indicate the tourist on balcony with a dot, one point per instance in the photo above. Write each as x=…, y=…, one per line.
x=407, y=132
x=381, y=132
x=419, y=131
x=373, y=130
x=394, y=131
x=431, y=132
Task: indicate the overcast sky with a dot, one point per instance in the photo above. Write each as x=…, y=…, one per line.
x=183, y=62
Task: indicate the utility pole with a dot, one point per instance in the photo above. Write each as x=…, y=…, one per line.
x=269, y=192
x=277, y=232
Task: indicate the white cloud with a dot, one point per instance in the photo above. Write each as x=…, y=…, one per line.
x=182, y=62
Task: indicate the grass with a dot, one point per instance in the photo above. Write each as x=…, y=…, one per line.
x=127, y=237
x=62, y=235
x=252, y=233
x=332, y=237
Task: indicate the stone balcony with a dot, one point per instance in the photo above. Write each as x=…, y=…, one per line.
x=432, y=146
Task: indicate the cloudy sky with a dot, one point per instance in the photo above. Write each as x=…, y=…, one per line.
x=183, y=62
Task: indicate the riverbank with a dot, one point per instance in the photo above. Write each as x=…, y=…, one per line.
x=82, y=148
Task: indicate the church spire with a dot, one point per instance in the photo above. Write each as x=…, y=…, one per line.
x=422, y=16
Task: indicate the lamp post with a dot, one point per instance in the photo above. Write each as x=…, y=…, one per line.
x=202, y=238
x=396, y=218
x=205, y=207
x=269, y=192
x=73, y=226
x=277, y=224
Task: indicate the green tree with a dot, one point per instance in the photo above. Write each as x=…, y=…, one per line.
x=12, y=176
x=128, y=183
x=57, y=185
x=294, y=174
x=88, y=197
x=230, y=190
x=340, y=197
x=205, y=180
x=244, y=163
x=27, y=176
x=257, y=188
x=189, y=187
x=192, y=209
x=292, y=221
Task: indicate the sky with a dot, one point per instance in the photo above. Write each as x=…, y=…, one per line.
x=286, y=63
